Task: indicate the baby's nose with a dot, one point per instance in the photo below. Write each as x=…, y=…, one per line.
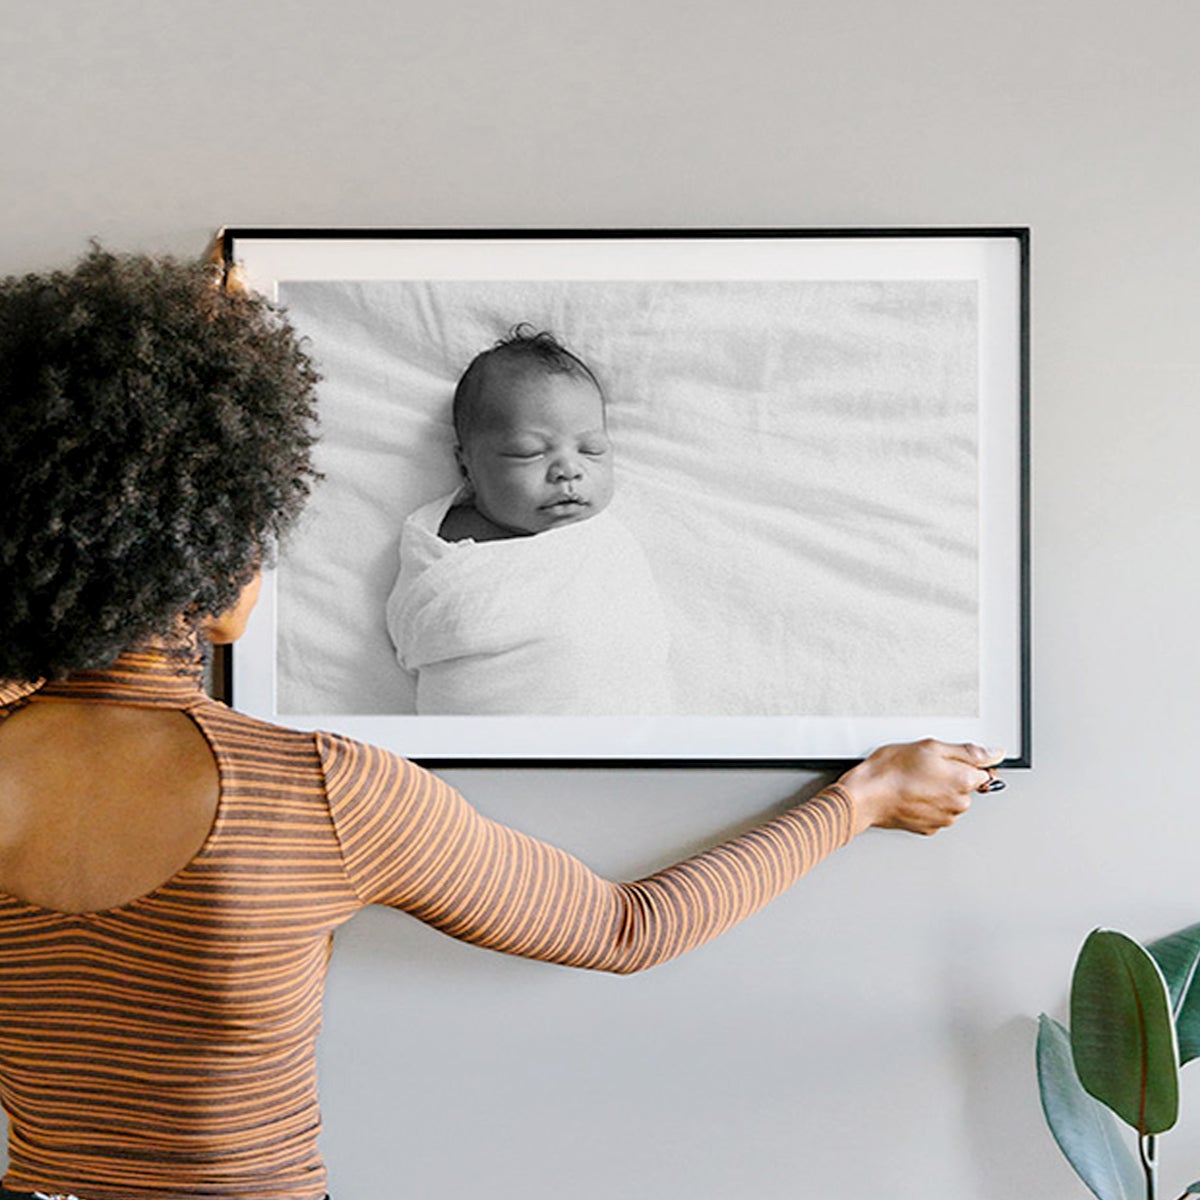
x=565, y=468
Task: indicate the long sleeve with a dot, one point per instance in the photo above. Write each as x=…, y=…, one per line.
x=411, y=841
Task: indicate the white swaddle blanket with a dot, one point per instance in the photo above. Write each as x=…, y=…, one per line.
x=562, y=623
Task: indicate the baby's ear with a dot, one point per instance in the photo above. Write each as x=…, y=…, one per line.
x=462, y=466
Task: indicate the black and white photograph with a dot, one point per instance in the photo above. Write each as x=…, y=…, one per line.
x=655, y=498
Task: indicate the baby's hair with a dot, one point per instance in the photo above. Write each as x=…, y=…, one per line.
x=523, y=347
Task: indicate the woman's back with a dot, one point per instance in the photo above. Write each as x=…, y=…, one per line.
x=163, y=950
x=99, y=805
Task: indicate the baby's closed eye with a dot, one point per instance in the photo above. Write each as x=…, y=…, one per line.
x=522, y=449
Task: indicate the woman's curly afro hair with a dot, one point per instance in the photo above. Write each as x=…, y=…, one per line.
x=155, y=439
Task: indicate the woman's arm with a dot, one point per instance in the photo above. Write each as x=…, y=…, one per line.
x=411, y=841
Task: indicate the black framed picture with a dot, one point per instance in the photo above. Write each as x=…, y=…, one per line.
x=655, y=497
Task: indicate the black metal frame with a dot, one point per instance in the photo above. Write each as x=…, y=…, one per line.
x=222, y=667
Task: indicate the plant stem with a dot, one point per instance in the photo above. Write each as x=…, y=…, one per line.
x=1148, y=1150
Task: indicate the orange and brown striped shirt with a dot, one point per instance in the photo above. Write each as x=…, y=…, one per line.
x=164, y=1049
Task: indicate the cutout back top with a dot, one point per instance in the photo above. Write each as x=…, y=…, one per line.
x=163, y=1047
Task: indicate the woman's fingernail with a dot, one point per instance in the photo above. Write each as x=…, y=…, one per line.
x=993, y=785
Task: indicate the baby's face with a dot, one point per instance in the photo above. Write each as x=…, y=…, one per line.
x=538, y=455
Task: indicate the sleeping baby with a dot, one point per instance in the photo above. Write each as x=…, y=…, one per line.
x=520, y=593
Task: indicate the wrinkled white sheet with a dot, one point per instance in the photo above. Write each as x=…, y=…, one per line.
x=797, y=460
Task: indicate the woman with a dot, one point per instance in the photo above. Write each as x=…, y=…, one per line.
x=170, y=871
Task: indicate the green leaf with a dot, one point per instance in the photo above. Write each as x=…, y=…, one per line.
x=1122, y=1034
x=1086, y=1132
x=1179, y=956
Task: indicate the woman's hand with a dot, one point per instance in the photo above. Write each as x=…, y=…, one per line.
x=920, y=786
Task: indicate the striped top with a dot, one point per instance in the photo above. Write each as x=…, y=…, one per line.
x=164, y=1049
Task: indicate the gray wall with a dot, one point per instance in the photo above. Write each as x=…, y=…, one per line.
x=871, y=1033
